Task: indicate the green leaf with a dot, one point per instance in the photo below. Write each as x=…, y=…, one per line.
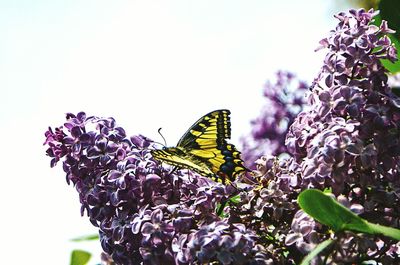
x=393, y=67
x=326, y=210
x=385, y=230
x=396, y=91
x=221, y=206
x=80, y=257
x=235, y=199
x=307, y=259
x=390, y=11
x=86, y=238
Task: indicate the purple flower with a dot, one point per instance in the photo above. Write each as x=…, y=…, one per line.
x=143, y=212
x=284, y=100
x=225, y=243
x=348, y=140
x=302, y=233
x=351, y=130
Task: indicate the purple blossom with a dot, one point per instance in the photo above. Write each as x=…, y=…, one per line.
x=270, y=206
x=302, y=233
x=346, y=140
x=226, y=244
x=143, y=211
x=351, y=132
x=284, y=100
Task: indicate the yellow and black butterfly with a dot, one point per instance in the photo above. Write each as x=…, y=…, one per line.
x=204, y=149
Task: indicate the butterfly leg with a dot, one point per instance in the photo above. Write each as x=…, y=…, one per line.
x=173, y=170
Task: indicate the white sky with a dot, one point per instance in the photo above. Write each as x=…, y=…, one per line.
x=148, y=64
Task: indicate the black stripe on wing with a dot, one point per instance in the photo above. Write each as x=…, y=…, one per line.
x=213, y=128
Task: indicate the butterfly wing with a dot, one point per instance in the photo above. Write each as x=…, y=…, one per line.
x=209, y=131
x=203, y=148
x=224, y=162
x=178, y=157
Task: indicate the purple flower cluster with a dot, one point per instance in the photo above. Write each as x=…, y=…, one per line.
x=270, y=206
x=351, y=132
x=145, y=214
x=228, y=243
x=348, y=140
x=284, y=100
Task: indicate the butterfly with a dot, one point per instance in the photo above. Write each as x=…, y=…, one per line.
x=204, y=149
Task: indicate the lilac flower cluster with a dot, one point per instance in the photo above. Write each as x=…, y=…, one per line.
x=349, y=138
x=351, y=132
x=145, y=214
x=284, y=100
x=270, y=206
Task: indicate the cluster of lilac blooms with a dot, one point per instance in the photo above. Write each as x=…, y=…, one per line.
x=284, y=99
x=347, y=140
x=145, y=213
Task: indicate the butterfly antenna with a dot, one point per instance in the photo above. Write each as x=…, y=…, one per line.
x=162, y=136
x=163, y=144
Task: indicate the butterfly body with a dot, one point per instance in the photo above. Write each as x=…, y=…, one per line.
x=204, y=149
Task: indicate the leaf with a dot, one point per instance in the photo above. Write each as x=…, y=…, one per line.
x=235, y=199
x=221, y=206
x=86, y=238
x=318, y=249
x=393, y=67
x=390, y=11
x=385, y=230
x=327, y=211
x=80, y=257
x=396, y=91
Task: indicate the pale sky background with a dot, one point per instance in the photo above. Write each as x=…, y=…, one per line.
x=148, y=64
